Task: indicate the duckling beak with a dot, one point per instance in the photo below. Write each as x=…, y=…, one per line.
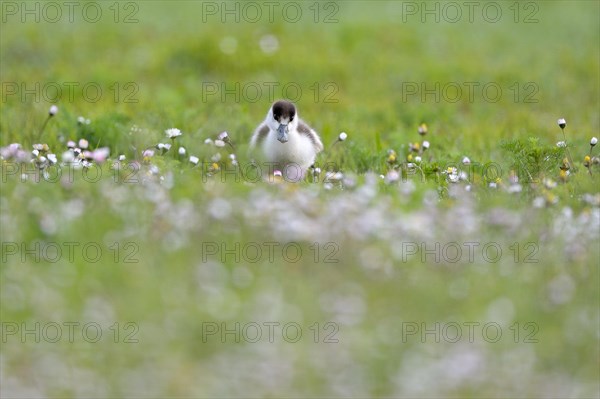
x=282, y=133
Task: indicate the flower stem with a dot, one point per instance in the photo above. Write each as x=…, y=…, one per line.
x=568, y=152
x=43, y=127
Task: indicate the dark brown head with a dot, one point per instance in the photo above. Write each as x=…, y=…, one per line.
x=284, y=113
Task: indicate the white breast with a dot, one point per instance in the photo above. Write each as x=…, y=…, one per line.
x=299, y=150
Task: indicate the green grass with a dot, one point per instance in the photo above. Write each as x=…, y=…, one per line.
x=157, y=219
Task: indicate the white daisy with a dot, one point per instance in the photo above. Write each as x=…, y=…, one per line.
x=173, y=132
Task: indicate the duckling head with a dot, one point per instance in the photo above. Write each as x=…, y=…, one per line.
x=282, y=118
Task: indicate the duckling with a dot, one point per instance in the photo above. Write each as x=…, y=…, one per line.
x=285, y=141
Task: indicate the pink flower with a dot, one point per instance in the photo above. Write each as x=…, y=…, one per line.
x=100, y=154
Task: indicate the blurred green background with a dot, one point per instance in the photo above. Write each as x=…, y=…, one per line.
x=155, y=63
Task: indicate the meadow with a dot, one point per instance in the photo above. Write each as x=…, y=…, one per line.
x=448, y=246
